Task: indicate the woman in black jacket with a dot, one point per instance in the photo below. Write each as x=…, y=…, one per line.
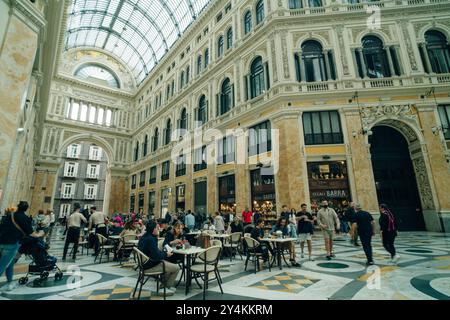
x=388, y=231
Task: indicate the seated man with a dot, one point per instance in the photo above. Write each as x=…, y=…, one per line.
x=148, y=244
x=258, y=234
x=281, y=225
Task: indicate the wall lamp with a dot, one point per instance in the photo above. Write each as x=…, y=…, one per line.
x=364, y=131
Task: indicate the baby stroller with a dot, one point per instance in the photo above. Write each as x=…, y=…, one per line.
x=42, y=263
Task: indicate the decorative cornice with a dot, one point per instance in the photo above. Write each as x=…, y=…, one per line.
x=28, y=14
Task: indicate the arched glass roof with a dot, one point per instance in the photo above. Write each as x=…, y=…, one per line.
x=139, y=32
x=99, y=74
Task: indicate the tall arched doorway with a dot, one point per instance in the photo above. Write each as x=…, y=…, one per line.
x=395, y=177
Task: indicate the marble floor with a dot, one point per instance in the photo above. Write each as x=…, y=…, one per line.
x=423, y=273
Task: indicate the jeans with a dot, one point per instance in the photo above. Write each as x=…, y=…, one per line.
x=292, y=231
x=7, y=254
x=73, y=236
x=366, y=241
x=388, y=242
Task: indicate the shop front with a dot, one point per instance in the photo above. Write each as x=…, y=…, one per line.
x=227, y=196
x=165, y=194
x=263, y=195
x=180, y=199
x=328, y=181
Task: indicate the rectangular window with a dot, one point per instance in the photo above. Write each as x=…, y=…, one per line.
x=142, y=179
x=92, y=171
x=132, y=203
x=165, y=171
x=90, y=192
x=70, y=169
x=322, y=127
x=181, y=166
x=444, y=114
x=228, y=8
x=133, y=181
x=151, y=202
x=200, y=159
x=152, y=179
x=226, y=150
x=141, y=202
x=65, y=210
x=74, y=151
x=95, y=153
x=260, y=139
x=67, y=190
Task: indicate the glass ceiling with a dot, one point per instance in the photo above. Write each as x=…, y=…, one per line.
x=99, y=73
x=139, y=32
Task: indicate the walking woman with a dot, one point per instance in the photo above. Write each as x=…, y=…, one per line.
x=388, y=231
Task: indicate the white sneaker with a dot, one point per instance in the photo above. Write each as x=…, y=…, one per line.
x=10, y=286
x=396, y=258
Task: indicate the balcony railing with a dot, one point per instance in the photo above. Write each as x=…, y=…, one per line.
x=180, y=172
x=165, y=177
x=142, y=184
x=67, y=196
x=89, y=196
x=92, y=176
x=69, y=175
x=152, y=181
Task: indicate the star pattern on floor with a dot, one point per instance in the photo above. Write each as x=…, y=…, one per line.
x=115, y=292
x=285, y=282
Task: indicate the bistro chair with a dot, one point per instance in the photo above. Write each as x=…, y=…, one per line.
x=104, y=247
x=144, y=275
x=254, y=252
x=210, y=261
x=233, y=244
x=126, y=248
x=216, y=243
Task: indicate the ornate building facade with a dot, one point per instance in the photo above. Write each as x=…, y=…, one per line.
x=327, y=99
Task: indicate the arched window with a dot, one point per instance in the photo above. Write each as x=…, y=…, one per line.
x=182, y=80
x=438, y=51
x=315, y=3
x=168, y=132
x=188, y=74
x=199, y=64
x=375, y=57
x=295, y=4
x=257, y=84
x=183, y=119
x=220, y=47
x=206, y=58
x=202, y=110
x=248, y=22
x=145, y=146
x=230, y=38
x=313, y=61
x=155, y=141
x=97, y=74
x=226, y=97
x=136, y=151
x=260, y=11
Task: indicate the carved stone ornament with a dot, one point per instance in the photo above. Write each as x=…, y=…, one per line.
x=426, y=195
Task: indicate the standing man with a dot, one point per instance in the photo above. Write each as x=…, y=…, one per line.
x=285, y=212
x=328, y=222
x=247, y=216
x=73, y=233
x=98, y=220
x=189, y=220
x=305, y=229
x=351, y=214
x=366, y=230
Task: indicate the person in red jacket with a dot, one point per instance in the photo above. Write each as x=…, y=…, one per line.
x=247, y=216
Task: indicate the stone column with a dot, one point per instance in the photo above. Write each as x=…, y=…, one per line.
x=302, y=66
x=363, y=62
x=327, y=63
x=242, y=179
x=390, y=62
x=16, y=62
x=423, y=47
x=290, y=186
x=362, y=172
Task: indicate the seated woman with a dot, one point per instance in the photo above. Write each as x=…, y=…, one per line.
x=281, y=225
x=237, y=225
x=258, y=234
x=174, y=238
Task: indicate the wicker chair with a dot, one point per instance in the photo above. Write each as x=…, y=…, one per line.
x=253, y=252
x=234, y=244
x=210, y=261
x=126, y=248
x=145, y=275
x=104, y=247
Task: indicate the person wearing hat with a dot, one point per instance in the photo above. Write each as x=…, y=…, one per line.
x=73, y=231
x=13, y=228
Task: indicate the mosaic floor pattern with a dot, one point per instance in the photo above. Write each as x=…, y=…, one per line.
x=422, y=273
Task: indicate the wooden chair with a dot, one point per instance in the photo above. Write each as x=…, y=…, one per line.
x=254, y=252
x=210, y=261
x=104, y=247
x=144, y=275
x=233, y=244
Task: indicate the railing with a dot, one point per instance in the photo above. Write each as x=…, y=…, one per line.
x=67, y=196
x=152, y=181
x=92, y=176
x=89, y=197
x=69, y=175
x=381, y=83
x=165, y=177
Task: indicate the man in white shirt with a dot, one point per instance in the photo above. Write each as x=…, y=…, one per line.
x=98, y=220
x=329, y=222
x=73, y=234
